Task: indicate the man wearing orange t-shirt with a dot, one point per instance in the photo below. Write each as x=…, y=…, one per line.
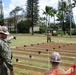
x=56, y=70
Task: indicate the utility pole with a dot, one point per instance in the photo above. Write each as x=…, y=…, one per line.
x=62, y=17
x=32, y=17
x=70, y=10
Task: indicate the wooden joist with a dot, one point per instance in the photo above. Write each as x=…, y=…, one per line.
x=40, y=61
x=27, y=67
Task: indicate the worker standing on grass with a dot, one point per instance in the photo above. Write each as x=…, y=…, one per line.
x=5, y=53
x=56, y=70
x=48, y=36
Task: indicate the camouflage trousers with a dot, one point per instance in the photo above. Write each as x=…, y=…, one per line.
x=48, y=39
x=3, y=70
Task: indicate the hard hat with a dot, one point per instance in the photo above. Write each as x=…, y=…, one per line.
x=55, y=57
x=4, y=30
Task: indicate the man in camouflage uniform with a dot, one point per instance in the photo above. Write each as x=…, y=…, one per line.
x=48, y=36
x=5, y=53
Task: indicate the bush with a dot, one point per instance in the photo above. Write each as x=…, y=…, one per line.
x=60, y=32
x=74, y=33
x=36, y=32
x=23, y=27
x=55, y=34
x=12, y=32
x=42, y=29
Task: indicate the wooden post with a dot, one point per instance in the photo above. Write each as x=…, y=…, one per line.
x=75, y=65
x=17, y=60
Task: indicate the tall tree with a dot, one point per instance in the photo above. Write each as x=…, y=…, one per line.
x=62, y=7
x=54, y=12
x=32, y=12
x=1, y=13
x=63, y=15
x=14, y=16
x=69, y=17
x=46, y=13
x=74, y=1
x=49, y=12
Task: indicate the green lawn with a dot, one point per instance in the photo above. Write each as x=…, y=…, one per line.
x=24, y=39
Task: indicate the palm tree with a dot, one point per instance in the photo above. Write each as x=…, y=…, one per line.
x=62, y=10
x=42, y=18
x=49, y=11
x=46, y=13
x=54, y=13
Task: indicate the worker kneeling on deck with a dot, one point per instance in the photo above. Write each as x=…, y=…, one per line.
x=55, y=61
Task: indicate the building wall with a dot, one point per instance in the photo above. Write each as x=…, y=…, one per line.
x=36, y=28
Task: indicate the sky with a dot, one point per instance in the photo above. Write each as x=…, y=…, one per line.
x=9, y=5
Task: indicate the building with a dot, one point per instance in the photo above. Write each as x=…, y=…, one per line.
x=11, y=22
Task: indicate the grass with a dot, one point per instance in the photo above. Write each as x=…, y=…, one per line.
x=19, y=71
x=25, y=39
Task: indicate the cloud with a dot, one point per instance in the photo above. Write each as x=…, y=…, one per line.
x=18, y=2
x=74, y=10
x=42, y=4
x=74, y=14
x=12, y=5
x=53, y=3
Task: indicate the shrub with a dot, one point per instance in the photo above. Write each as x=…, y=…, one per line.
x=36, y=32
x=42, y=29
x=23, y=27
x=55, y=34
x=74, y=33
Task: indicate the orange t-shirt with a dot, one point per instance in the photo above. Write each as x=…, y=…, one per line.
x=55, y=72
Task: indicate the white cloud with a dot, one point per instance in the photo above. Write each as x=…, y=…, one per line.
x=18, y=2
x=53, y=3
x=74, y=10
x=42, y=4
x=13, y=4
x=74, y=14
